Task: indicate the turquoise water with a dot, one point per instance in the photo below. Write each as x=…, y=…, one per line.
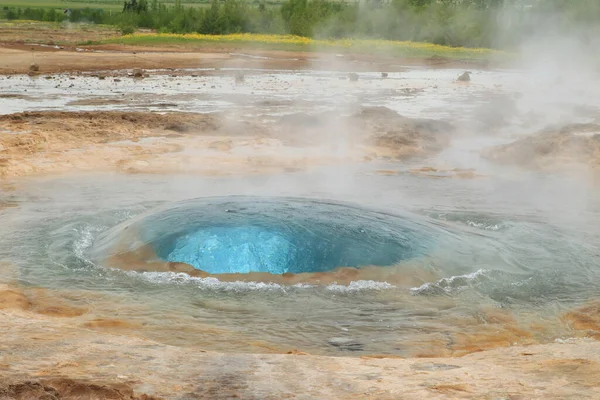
x=274, y=234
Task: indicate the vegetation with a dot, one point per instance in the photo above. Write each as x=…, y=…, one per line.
x=291, y=42
x=468, y=23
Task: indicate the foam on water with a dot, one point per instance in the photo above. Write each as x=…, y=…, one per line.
x=450, y=284
x=214, y=284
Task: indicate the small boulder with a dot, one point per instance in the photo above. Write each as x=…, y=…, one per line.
x=138, y=73
x=465, y=77
x=353, y=76
x=384, y=74
x=239, y=77
x=34, y=67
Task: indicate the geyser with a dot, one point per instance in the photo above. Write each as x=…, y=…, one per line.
x=272, y=235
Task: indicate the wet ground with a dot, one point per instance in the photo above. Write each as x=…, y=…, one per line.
x=513, y=259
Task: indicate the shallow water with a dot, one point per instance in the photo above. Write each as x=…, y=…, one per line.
x=530, y=258
x=514, y=243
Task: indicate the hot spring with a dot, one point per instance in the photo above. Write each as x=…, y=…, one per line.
x=241, y=235
x=362, y=256
x=395, y=268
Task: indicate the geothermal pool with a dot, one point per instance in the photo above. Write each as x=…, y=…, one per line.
x=333, y=260
x=436, y=266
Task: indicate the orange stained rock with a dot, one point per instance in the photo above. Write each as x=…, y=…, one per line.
x=585, y=318
x=13, y=299
x=110, y=324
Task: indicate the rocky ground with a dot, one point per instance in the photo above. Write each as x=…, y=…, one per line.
x=218, y=144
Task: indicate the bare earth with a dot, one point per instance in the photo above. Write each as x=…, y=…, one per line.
x=51, y=350
x=16, y=59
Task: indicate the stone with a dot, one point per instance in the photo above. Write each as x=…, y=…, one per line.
x=465, y=77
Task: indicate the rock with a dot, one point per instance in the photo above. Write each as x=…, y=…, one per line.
x=138, y=72
x=34, y=67
x=346, y=344
x=465, y=77
x=353, y=76
x=384, y=74
x=101, y=77
x=239, y=77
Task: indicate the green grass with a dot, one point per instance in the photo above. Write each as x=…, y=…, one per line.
x=116, y=5
x=295, y=43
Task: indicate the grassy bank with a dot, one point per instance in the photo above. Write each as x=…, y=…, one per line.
x=290, y=42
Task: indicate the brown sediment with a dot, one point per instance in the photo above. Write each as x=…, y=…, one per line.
x=13, y=299
x=449, y=388
x=60, y=311
x=456, y=337
x=490, y=338
x=37, y=301
x=585, y=320
x=69, y=389
x=491, y=328
x=111, y=324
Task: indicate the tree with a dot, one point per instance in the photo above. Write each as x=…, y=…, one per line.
x=135, y=6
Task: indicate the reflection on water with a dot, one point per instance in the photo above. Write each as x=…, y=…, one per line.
x=511, y=256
